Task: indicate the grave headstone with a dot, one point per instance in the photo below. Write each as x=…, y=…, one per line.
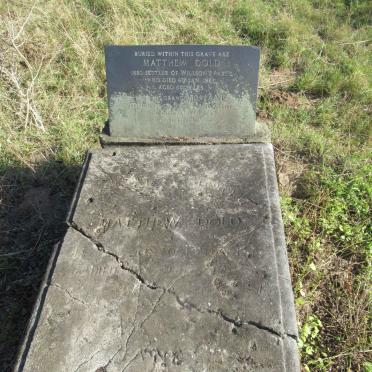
x=187, y=93
x=174, y=259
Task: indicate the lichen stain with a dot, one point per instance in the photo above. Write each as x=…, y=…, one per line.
x=145, y=116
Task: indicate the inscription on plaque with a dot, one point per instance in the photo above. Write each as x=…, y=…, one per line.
x=182, y=90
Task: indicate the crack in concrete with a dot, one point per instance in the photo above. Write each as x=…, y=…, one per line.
x=183, y=303
x=294, y=337
x=68, y=293
x=112, y=358
x=101, y=248
x=240, y=323
x=138, y=352
x=87, y=361
x=236, y=322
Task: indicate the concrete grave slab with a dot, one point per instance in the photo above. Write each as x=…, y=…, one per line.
x=174, y=261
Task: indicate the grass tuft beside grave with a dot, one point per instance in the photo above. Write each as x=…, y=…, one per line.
x=315, y=93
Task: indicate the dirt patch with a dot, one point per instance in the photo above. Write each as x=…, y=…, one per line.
x=289, y=99
x=281, y=78
x=263, y=115
x=290, y=172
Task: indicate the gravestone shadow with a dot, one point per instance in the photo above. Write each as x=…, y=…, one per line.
x=33, y=209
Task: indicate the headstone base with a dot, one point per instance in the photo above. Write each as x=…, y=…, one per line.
x=261, y=135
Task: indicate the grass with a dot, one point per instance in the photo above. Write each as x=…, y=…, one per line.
x=315, y=92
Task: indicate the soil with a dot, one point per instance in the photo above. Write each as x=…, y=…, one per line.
x=286, y=98
x=290, y=172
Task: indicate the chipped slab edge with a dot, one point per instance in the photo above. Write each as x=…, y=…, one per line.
x=290, y=350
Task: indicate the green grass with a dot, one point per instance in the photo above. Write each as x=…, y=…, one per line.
x=53, y=106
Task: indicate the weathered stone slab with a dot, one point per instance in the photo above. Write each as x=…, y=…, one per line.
x=174, y=261
x=192, y=91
